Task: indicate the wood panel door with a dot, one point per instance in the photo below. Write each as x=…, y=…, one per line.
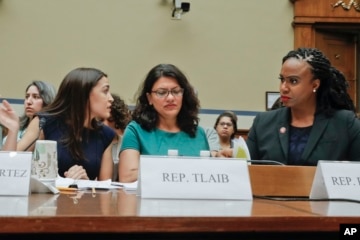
x=340, y=48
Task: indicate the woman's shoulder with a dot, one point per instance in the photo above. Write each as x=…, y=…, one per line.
x=50, y=122
x=134, y=125
x=271, y=115
x=345, y=113
x=341, y=115
x=338, y=115
x=108, y=131
x=201, y=130
x=46, y=118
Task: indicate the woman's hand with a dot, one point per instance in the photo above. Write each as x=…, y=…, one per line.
x=76, y=172
x=9, y=117
x=225, y=153
x=10, y=120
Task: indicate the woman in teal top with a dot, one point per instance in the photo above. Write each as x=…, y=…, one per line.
x=158, y=142
x=165, y=117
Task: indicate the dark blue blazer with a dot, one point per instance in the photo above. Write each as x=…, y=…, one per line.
x=335, y=138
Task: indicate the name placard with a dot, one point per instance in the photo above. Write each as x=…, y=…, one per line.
x=15, y=171
x=14, y=206
x=334, y=208
x=193, y=178
x=194, y=207
x=336, y=179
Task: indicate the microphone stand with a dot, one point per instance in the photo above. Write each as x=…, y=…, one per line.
x=42, y=122
x=33, y=141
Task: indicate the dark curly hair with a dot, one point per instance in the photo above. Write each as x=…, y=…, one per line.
x=332, y=93
x=146, y=115
x=120, y=113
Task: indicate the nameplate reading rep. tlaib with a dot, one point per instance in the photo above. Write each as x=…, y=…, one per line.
x=193, y=178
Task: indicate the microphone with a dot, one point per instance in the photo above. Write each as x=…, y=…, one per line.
x=42, y=122
x=265, y=162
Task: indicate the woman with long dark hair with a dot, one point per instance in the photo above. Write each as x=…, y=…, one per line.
x=165, y=117
x=73, y=119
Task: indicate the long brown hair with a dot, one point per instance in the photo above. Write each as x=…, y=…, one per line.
x=71, y=105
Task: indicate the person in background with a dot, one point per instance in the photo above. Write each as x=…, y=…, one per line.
x=3, y=133
x=213, y=140
x=73, y=120
x=226, y=127
x=212, y=137
x=120, y=116
x=165, y=117
x=38, y=94
x=318, y=120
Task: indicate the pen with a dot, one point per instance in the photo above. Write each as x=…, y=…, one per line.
x=93, y=192
x=117, y=184
x=67, y=189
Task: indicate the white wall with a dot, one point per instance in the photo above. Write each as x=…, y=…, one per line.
x=231, y=50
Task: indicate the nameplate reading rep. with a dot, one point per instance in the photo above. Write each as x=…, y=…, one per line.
x=193, y=178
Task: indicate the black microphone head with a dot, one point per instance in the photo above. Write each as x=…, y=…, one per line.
x=42, y=122
x=185, y=6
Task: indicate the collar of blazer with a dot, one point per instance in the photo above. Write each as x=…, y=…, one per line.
x=319, y=126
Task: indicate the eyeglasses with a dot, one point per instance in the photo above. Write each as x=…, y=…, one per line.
x=223, y=124
x=162, y=93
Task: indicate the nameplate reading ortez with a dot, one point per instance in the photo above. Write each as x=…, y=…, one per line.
x=15, y=173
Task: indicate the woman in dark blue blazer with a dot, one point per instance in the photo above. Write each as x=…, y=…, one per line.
x=318, y=120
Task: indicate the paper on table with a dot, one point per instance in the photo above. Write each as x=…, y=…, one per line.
x=240, y=149
x=85, y=184
x=126, y=186
x=130, y=186
x=42, y=186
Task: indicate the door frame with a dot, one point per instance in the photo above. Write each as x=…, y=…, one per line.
x=354, y=32
x=311, y=16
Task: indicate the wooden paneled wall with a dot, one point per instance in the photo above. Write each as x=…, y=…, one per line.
x=242, y=132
